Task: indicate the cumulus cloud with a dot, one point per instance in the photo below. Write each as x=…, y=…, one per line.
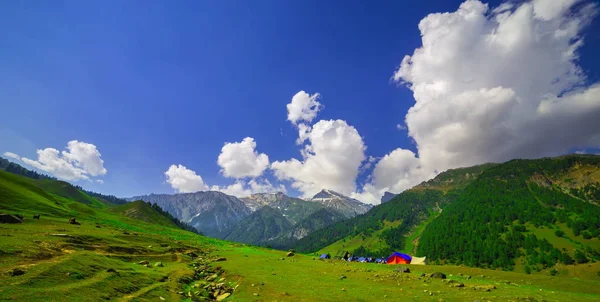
x=243, y=189
x=401, y=127
x=493, y=85
x=304, y=107
x=79, y=161
x=184, y=180
x=331, y=159
x=240, y=160
x=11, y=155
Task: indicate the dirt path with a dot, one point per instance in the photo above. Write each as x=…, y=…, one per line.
x=142, y=291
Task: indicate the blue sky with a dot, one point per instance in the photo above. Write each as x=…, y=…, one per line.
x=156, y=83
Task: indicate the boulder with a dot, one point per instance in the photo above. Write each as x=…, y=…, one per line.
x=403, y=269
x=144, y=262
x=290, y=254
x=220, y=259
x=222, y=297
x=7, y=218
x=438, y=275
x=111, y=270
x=158, y=264
x=16, y=272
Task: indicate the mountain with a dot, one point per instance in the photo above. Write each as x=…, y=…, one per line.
x=142, y=211
x=265, y=225
x=525, y=214
x=387, y=196
x=349, y=207
x=393, y=225
x=259, y=227
x=210, y=212
x=294, y=209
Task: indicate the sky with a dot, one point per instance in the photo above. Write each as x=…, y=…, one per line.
x=139, y=97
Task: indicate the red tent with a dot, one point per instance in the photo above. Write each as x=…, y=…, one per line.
x=398, y=258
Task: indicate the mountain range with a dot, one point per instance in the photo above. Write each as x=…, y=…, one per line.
x=261, y=218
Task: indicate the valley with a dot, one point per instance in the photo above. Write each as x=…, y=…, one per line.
x=136, y=251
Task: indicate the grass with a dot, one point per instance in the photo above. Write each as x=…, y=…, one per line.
x=64, y=262
x=371, y=242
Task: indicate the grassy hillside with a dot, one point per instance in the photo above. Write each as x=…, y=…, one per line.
x=142, y=211
x=531, y=213
x=51, y=260
x=264, y=224
x=396, y=224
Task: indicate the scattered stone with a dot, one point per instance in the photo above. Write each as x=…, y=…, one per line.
x=111, y=270
x=253, y=285
x=161, y=298
x=256, y=294
x=403, y=269
x=213, y=277
x=422, y=275
x=7, y=218
x=343, y=277
x=16, y=272
x=430, y=293
x=282, y=258
x=144, y=262
x=148, y=265
x=343, y=289
x=438, y=275
x=290, y=254
x=459, y=284
x=72, y=220
x=220, y=259
x=158, y=264
x=468, y=277
x=273, y=273
x=222, y=297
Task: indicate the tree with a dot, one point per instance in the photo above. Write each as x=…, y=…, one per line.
x=580, y=257
x=559, y=233
x=527, y=269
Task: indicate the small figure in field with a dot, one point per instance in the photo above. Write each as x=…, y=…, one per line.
x=73, y=221
x=36, y=216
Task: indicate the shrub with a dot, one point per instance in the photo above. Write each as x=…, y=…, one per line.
x=553, y=272
x=559, y=233
x=527, y=269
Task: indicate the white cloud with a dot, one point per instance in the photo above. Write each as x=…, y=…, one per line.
x=490, y=87
x=401, y=127
x=80, y=161
x=304, y=107
x=11, y=155
x=240, y=160
x=184, y=180
x=331, y=159
x=100, y=181
x=244, y=189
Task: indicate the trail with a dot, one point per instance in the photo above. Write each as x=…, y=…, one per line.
x=99, y=277
x=142, y=291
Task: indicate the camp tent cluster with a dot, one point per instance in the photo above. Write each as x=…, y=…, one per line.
x=394, y=258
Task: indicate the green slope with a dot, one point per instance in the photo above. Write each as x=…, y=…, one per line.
x=98, y=260
x=508, y=215
x=396, y=224
x=142, y=211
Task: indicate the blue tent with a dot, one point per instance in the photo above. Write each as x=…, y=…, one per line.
x=362, y=259
x=379, y=260
x=325, y=256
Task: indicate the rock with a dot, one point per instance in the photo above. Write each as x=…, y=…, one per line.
x=158, y=264
x=459, y=284
x=148, y=265
x=220, y=259
x=213, y=277
x=422, y=275
x=343, y=289
x=403, y=269
x=343, y=277
x=438, y=275
x=72, y=220
x=111, y=270
x=161, y=298
x=468, y=277
x=290, y=254
x=7, y=218
x=16, y=272
x=144, y=262
x=222, y=297
x=256, y=294
x=282, y=258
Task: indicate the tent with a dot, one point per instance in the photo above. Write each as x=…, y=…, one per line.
x=362, y=259
x=398, y=258
x=379, y=260
x=418, y=260
x=325, y=256
x=342, y=255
